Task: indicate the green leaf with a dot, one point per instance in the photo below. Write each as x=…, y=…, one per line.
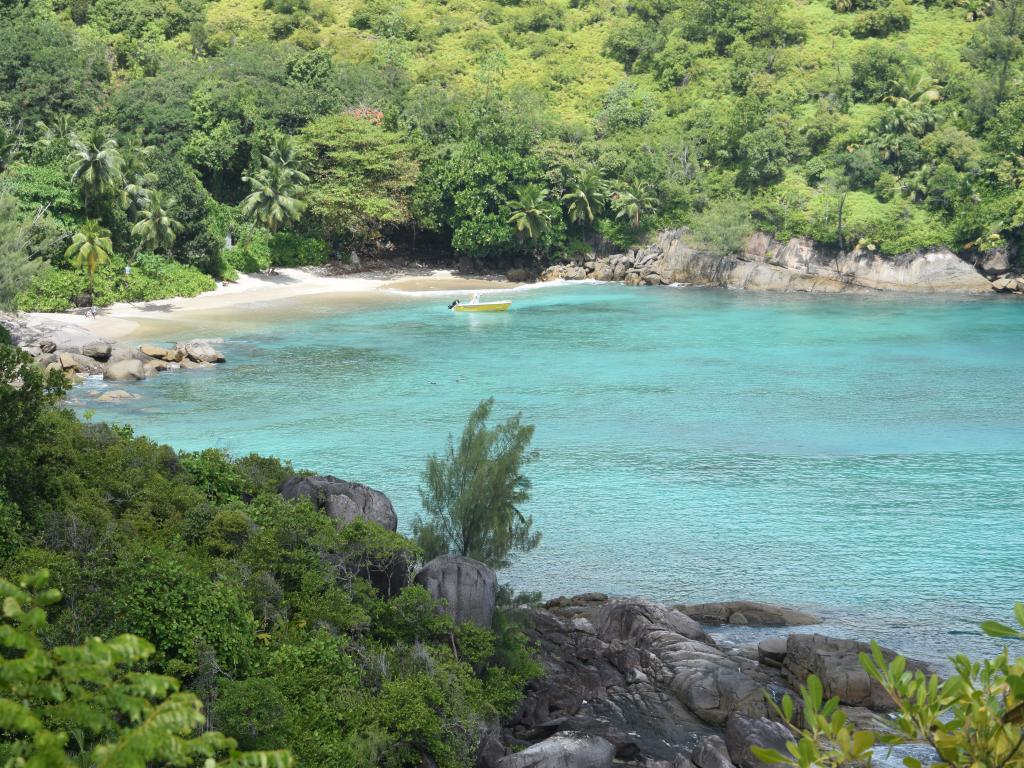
x=996, y=629
x=862, y=742
x=770, y=756
x=1018, y=612
x=787, y=707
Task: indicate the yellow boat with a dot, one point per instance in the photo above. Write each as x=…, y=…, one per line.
x=475, y=305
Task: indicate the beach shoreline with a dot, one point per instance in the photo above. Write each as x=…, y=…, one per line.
x=137, y=320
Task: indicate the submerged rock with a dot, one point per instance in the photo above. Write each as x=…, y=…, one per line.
x=747, y=612
x=469, y=588
x=116, y=395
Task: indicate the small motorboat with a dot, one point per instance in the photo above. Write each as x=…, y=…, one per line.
x=475, y=305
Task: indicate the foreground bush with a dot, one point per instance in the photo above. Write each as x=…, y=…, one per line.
x=91, y=704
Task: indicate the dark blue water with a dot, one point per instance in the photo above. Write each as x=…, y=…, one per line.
x=862, y=457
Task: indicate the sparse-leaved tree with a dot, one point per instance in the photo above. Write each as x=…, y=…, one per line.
x=473, y=493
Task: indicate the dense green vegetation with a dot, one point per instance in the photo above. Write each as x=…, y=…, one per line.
x=505, y=129
x=973, y=717
x=259, y=606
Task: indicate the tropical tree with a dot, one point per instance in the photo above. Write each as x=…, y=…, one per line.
x=18, y=257
x=530, y=212
x=11, y=143
x=137, y=181
x=96, y=167
x=276, y=197
x=156, y=228
x=473, y=493
x=57, y=129
x=634, y=202
x=90, y=247
x=284, y=154
x=586, y=197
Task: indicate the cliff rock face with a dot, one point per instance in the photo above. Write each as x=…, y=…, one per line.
x=770, y=265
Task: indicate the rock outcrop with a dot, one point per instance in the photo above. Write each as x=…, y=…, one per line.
x=563, y=751
x=65, y=346
x=641, y=675
x=468, y=587
x=767, y=264
x=837, y=663
x=342, y=500
x=746, y=612
x=647, y=679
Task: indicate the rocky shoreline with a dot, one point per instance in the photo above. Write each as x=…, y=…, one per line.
x=628, y=681
x=767, y=264
x=79, y=353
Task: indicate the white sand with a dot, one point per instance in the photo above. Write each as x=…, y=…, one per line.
x=126, y=320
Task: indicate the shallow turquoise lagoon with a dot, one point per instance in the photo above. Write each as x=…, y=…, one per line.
x=862, y=457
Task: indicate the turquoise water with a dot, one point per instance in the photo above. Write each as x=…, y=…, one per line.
x=861, y=457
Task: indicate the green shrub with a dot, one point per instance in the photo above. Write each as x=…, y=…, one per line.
x=882, y=22
x=5, y=336
x=290, y=250
x=724, y=226
x=150, y=278
x=251, y=251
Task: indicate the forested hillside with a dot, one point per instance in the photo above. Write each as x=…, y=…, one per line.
x=495, y=129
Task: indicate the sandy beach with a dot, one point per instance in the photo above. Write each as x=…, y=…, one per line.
x=269, y=293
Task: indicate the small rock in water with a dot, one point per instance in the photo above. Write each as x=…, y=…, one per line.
x=116, y=395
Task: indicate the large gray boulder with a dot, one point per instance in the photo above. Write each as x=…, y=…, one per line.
x=342, y=500
x=836, y=662
x=97, y=350
x=469, y=587
x=742, y=733
x=125, y=370
x=563, y=751
x=711, y=752
x=747, y=612
x=202, y=352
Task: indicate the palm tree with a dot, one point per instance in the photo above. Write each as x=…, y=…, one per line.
x=586, y=197
x=284, y=155
x=56, y=130
x=634, y=202
x=137, y=182
x=156, y=228
x=276, y=197
x=90, y=247
x=96, y=167
x=530, y=212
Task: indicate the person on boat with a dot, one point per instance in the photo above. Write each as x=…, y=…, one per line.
x=475, y=299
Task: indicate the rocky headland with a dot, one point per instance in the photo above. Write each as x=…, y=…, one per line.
x=627, y=681
x=767, y=264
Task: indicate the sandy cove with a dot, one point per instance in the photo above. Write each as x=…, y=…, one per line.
x=274, y=292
